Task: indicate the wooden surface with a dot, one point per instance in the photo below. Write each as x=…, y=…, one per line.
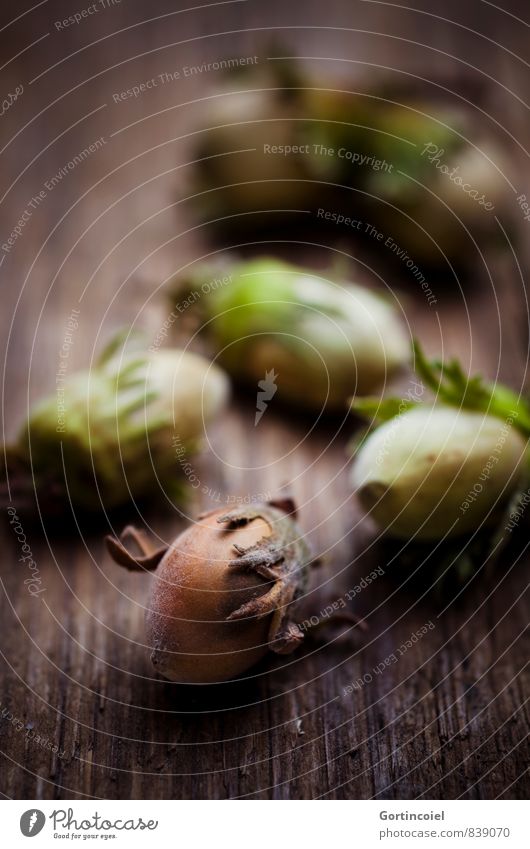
x=449, y=719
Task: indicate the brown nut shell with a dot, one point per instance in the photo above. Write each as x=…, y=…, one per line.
x=194, y=592
x=224, y=592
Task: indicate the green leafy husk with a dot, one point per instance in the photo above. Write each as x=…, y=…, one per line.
x=451, y=387
x=114, y=438
x=324, y=337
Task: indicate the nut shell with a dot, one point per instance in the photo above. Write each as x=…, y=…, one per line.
x=194, y=591
x=436, y=472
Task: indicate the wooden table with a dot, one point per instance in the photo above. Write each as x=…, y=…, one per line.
x=449, y=719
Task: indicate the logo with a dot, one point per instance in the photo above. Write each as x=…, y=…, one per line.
x=267, y=388
x=31, y=822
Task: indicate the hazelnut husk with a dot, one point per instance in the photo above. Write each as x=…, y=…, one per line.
x=225, y=591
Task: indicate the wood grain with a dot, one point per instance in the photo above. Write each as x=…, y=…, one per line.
x=450, y=718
